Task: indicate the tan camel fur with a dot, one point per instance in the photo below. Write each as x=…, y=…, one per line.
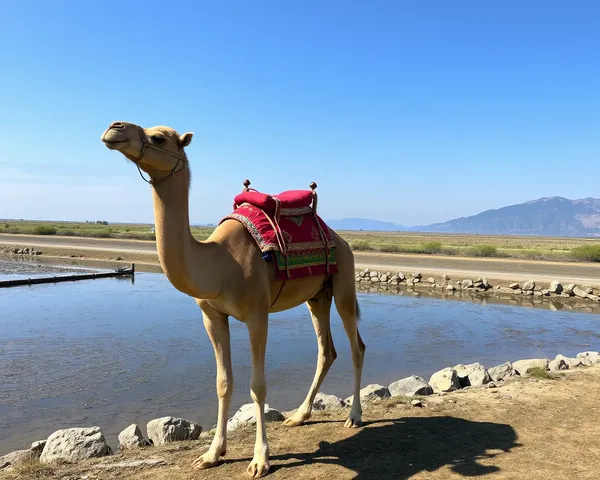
x=228, y=277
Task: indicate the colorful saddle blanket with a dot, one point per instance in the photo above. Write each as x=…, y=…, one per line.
x=288, y=232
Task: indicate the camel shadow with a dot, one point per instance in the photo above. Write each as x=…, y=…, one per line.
x=404, y=447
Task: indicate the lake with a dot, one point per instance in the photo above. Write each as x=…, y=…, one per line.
x=111, y=352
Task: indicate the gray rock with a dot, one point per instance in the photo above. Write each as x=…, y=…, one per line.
x=417, y=275
x=556, y=287
x=578, y=292
x=16, y=458
x=571, y=362
x=522, y=367
x=371, y=393
x=501, y=372
x=529, y=285
x=431, y=280
x=401, y=276
x=568, y=289
x=416, y=280
x=375, y=280
x=132, y=437
x=445, y=277
x=172, y=429
x=514, y=286
x=324, y=401
x=467, y=283
x=557, y=364
x=587, y=289
x=374, y=274
x=149, y=462
x=445, y=380
x=589, y=358
x=74, y=444
x=410, y=281
x=506, y=290
x=245, y=416
x=450, y=287
x=472, y=375
x=37, y=447
x=410, y=386
x=384, y=278
x=416, y=403
x=595, y=298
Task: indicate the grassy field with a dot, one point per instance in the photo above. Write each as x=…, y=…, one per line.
x=534, y=248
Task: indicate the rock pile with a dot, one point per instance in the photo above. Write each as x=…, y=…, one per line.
x=480, y=284
x=21, y=251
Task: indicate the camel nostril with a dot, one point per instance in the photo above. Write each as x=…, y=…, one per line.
x=117, y=126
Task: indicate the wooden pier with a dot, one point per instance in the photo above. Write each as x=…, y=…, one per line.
x=120, y=272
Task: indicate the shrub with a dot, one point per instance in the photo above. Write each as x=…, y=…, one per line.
x=361, y=245
x=44, y=230
x=586, y=253
x=483, y=251
x=431, y=247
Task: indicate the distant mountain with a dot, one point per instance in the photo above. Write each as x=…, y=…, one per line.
x=556, y=216
x=363, y=224
x=550, y=216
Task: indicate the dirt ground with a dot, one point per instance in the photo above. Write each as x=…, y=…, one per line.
x=525, y=429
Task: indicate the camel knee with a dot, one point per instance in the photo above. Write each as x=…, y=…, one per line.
x=224, y=388
x=258, y=391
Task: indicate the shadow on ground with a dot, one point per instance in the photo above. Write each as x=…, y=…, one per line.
x=403, y=447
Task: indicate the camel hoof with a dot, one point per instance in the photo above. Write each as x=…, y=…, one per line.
x=353, y=423
x=207, y=460
x=294, y=422
x=258, y=468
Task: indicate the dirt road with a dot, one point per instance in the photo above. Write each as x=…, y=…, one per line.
x=493, y=268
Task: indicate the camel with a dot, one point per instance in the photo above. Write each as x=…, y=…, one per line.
x=228, y=277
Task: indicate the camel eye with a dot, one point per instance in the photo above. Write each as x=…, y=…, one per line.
x=157, y=139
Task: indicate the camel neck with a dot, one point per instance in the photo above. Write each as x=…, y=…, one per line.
x=182, y=258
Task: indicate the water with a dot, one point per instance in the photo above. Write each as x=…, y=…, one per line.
x=111, y=352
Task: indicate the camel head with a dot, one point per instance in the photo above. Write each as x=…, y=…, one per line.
x=159, y=151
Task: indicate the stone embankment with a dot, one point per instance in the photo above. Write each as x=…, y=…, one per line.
x=20, y=251
x=447, y=285
x=75, y=444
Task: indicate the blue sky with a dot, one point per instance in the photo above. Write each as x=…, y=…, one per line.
x=404, y=111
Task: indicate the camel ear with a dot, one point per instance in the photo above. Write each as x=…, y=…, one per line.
x=185, y=139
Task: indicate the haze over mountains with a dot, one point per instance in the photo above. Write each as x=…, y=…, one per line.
x=550, y=216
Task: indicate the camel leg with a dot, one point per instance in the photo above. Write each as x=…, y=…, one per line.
x=257, y=329
x=344, y=292
x=319, y=307
x=217, y=327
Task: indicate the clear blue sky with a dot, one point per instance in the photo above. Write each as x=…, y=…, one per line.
x=405, y=111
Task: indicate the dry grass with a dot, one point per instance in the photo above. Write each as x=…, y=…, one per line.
x=531, y=428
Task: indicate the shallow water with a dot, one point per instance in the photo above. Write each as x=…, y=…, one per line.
x=111, y=352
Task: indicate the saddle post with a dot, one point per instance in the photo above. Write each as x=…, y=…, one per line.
x=313, y=188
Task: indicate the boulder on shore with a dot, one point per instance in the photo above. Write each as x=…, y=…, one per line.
x=370, y=393
x=522, y=367
x=74, y=444
x=172, y=429
x=501, y=372
x=409, y=387
x=445, y=380
x=324, y=401
x=245, y=416
x=589, y=358
x=132, y=437
x=472, y=375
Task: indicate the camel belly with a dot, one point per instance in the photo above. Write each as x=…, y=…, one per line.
x=294, y=292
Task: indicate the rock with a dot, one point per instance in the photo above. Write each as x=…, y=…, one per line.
x=384, y=278
x=522, y=367
x=595, y=298
x=528, y=286
x=514, y=286
x=37, y=447
x=416, y=403
x=557, y=364
x=172, y=429
x=472, y=375
x=505, y=290
x=132, y=437
x=587, y=289
x=15, y=458
x=431, y=280
x=410, y=281
x=410, y=386
x=371, y=393
x=545, y=292
x=571, y=362
x=149, y=462
x=416, y=280
x=446, y=277
x=589, y=358
x=485, y=283
x=568, y=289
x=374, y=274
x=445, y=380
x=375, y=280
x=417, y=275
x=73, y=444
x=501, y=372
x=467, y=283
x=327, y=402
x=401, y=276
x=528, y=292
x=245, y=416
x=450, y=287
x=556, y=287
x=578, y=292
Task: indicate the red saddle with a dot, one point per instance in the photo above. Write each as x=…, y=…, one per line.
x=268, y=203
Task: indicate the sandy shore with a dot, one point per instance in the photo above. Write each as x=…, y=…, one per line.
x=93, y=251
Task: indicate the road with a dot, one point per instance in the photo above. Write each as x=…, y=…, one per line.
x=493, y=268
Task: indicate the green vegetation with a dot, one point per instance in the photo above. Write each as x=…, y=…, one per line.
x=540, y=374
x=586, y=253
x=522, y=247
